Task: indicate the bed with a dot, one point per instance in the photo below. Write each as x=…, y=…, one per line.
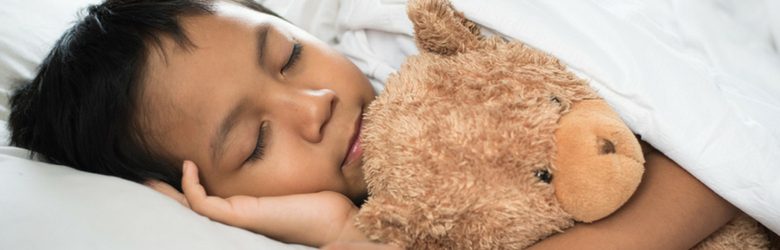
x=699, y=80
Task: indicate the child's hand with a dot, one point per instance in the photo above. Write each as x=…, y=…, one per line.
x=359, y=245
x=312, y=219
x=167, y=190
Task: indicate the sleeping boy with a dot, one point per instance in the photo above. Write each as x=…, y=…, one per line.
x=252, y=122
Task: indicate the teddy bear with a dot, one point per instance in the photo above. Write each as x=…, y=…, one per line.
x=482, y=143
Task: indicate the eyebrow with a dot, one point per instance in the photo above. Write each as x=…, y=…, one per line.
x=227, y=124
x=230, y=121
x=262, y=35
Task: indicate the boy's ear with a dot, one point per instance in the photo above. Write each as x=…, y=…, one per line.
x=439, y=29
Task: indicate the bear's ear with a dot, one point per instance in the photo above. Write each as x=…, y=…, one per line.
x=439, y=29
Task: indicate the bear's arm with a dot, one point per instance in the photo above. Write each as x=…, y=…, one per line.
x=670, y=210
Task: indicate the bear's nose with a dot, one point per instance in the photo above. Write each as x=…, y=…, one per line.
x=606, y=146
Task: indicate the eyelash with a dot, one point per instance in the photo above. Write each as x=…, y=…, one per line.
x=294, y=56
x=257, y=153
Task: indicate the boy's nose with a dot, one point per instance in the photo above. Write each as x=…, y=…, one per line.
x=309, y=111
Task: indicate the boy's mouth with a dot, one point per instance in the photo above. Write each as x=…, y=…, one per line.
x=354, y=148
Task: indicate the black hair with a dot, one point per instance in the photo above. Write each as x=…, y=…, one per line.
x=80, y=108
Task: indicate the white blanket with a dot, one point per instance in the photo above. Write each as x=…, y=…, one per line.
x=699, y=80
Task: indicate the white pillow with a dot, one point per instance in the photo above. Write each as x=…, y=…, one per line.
x=28, y=30
x=45, y=206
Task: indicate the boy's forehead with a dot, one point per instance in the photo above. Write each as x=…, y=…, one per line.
x=178, y=77
x=236, y=14
x=227, y=24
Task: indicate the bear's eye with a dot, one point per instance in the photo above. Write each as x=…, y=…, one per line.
x=555, y=100
x=544, y=175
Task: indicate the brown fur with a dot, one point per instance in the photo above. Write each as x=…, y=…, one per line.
x=455, y=146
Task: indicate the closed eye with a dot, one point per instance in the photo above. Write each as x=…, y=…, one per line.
x=258, y=152
x=294, y=56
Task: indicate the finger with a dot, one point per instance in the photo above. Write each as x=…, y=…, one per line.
x=167, y=190
x=213, y=207
x=190, y=183
x=154, y=184
x=346, y=245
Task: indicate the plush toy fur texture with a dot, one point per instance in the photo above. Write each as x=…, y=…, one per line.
x=480, y=143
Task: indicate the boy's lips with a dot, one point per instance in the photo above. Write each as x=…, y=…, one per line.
x=354, y=149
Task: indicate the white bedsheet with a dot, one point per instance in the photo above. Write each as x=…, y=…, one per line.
x=697, y=79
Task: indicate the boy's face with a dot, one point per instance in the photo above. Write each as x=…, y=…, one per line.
x=255, y=117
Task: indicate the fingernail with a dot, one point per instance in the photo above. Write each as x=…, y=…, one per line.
x=185, y=165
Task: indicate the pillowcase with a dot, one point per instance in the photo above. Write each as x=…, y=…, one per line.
x=28, y=31
x=45, y=206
